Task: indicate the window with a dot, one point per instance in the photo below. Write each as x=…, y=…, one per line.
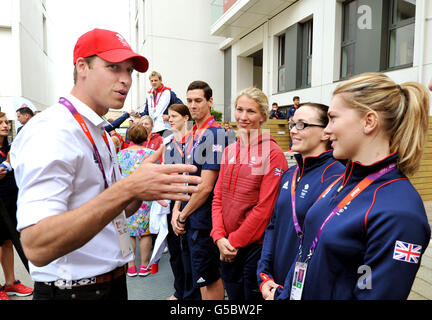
x=401, y=33
x=306, y=54
x=348, y=38
x=295, y=57
x=377, y=35
x=281, y=64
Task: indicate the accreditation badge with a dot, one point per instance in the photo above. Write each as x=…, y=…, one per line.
x=123, y=234
x=298, y=281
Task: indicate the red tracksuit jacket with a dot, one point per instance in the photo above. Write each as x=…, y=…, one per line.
x=246, y=190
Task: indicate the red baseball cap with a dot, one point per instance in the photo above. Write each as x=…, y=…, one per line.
x=110, y=46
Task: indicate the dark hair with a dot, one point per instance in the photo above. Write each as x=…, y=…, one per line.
x=208, y=92
x=137, y=133
x=296, y=98
x=275, y=104
x=180, y=108
x=322, y=114
x=25, y=110
x=323, y=118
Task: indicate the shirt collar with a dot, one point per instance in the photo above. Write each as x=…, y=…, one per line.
x=88, y=113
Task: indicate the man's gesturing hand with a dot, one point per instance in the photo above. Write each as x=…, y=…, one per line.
x=152, y=181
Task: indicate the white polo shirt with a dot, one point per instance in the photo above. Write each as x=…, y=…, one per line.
x=56, y=172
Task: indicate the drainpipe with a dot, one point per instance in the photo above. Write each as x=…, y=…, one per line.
x=422, y=27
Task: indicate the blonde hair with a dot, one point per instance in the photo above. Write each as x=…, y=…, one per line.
x=259, y=97
x=155, y=74
x=403, y=112
x=148, y=118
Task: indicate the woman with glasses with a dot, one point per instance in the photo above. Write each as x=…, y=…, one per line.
x=301, y=185
x=365, y=237
x=245, y=194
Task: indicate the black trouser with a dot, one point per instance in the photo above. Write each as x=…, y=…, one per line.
x=115, y=289
x=239, y=277
x=183, y=286
x=8, y=224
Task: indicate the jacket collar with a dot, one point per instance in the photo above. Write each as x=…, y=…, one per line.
x=356, y=171
x=310, y=163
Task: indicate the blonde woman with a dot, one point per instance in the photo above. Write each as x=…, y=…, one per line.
x=365, y=236
x=154, y=140
x=245, y=194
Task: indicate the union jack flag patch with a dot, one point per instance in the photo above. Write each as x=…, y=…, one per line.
x=407, y=252
x=278, y=172
x=217, y=148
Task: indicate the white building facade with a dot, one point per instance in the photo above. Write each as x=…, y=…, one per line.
x=174, y=36
x=25, y=62
x=306, y=47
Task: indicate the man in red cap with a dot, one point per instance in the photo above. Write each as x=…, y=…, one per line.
x=73, y=203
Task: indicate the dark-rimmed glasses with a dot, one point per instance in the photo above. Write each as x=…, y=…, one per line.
x=301, y=125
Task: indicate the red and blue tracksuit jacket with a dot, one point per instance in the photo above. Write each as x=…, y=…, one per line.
x=383, y=230
x=280, y=241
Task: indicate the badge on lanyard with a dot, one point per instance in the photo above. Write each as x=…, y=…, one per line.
x=301, y=267
x=123, y=234
x=298, y=280
x=121, y=227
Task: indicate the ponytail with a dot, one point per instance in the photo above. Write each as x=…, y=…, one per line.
x=403, y=111
x=409, y=137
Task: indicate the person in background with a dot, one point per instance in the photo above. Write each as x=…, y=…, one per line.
x=300, y=186
x=138, y=224
x=230, y=132
x=179, y=118
x=130, y=121
x=115, y=137
x=24, y=114
x=154, y=139
x=245, y=194
x=8, y=196
x=158, y=101
x=115, y=124
x=365, y=235
x=291, y=111
x=275, y=113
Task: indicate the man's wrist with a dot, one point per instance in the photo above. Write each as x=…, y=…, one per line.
x=180, y=221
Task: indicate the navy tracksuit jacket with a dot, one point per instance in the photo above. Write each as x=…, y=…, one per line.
x=380, y=230
x=280, y=240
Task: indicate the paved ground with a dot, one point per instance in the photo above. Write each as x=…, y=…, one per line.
x=159, y=286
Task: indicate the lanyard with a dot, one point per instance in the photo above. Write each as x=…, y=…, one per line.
x=193, y=132
x=174, y=142
x=293, y=205
x=85, y=129
x=3, y=154
x=155, y=96
x=359, y=188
